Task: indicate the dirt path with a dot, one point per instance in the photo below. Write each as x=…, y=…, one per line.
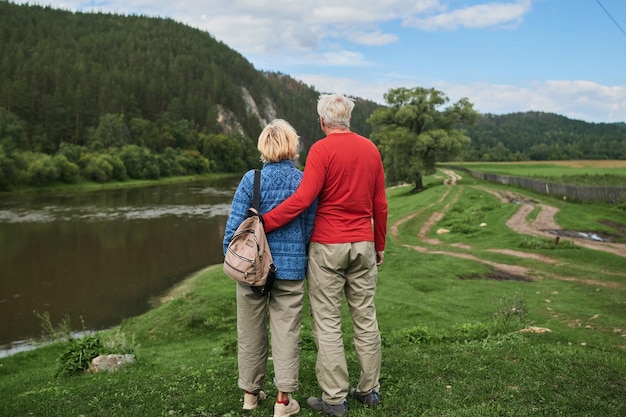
x=544, y=225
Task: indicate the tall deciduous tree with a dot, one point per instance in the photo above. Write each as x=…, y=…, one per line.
x=415, y=131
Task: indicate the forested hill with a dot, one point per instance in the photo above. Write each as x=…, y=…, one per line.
x=63, y=71
x=543, y=136
x=101, y=97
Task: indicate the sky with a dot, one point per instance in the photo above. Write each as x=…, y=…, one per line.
x=559, y=56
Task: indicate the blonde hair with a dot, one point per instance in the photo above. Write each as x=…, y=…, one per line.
x=278, y=141
x=335, y=110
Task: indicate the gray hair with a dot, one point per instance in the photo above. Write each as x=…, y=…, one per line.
x=335, y=110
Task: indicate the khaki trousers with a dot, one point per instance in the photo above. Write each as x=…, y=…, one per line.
x=333, y=271
x=284, y=305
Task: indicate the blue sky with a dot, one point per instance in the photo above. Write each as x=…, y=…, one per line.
x=561, y=56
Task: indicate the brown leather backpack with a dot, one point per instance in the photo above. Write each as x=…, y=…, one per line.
x=248, y=258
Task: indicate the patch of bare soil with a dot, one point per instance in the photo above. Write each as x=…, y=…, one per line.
x=453, y=177
x=497, y=275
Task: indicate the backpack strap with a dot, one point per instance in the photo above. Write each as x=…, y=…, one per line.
x=256, y=194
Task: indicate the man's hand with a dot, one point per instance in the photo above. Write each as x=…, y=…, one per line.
x=380, y=255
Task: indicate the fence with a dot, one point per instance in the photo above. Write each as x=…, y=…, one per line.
x=613, y=195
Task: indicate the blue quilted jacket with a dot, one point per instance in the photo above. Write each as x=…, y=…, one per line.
x=289, y=243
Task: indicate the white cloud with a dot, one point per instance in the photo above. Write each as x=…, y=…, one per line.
x=584, y=100
x=375, y=38
x=478, y=16
x=344, y=85
x=581, y=99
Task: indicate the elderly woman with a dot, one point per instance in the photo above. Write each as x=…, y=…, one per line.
x=278, y=144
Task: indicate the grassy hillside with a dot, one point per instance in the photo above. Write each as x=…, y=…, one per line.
x=479, y=320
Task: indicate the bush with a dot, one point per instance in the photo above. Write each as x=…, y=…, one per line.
x=168, y=163
x=193, y=162
x=140, y=163
x=510, y=312
x=8, y=172
x=96, y=168
x=79, y=354
x=119, y=169
x=420, y=334
x=71, y=152
x=67, y=171
x=42, y=170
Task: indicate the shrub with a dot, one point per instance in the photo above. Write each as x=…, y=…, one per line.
x=8, y=172
x=510, y=312
x=119, y=170
x=71, y=152
x=537, y=243
x=67, y=171
x=97, y=168
x=77, y=357
x=168, y=164
x=473, y=331
x=420, y=334
x=140, y=163
x=193, y=162
x=42, y=170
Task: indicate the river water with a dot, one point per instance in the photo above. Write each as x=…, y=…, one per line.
x=99, y=257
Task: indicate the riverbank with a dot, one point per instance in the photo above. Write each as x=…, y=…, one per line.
x=454, y=332
x=85, y=186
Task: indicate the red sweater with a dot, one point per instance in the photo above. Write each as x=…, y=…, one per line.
x=345, y=171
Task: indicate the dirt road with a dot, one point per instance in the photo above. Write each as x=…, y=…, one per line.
x=544, y=225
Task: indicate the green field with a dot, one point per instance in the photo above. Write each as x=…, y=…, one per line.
x=608, y=173
x=477, y=319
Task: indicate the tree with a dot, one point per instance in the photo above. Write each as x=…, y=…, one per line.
x=414, y=132
x=111, y=132
x=12, y=132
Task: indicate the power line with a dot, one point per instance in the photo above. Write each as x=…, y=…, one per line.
x=609, y=14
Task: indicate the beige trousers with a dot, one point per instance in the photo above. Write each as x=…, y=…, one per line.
x=284, y=305
x=335, y=270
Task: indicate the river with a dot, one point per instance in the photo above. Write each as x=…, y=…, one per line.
x=99, y=257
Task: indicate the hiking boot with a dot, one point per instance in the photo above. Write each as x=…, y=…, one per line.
x=286, y=410
x=370, y=399
x=250, y=401
x=332, y=410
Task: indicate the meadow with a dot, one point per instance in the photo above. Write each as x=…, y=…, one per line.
x=479, y=315
x=578, y=172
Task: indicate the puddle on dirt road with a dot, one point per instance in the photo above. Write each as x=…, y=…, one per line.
x=595, y=236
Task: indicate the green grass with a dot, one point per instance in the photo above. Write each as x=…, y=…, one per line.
x=451, y=345
x=575, y=172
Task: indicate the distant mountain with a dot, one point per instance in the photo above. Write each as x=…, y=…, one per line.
x=86, y=79
x=543, y=136
x=62, y=71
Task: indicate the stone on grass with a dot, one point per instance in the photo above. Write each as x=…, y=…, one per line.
x=109, y=363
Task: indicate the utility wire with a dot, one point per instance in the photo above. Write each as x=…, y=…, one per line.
x=609, y=14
